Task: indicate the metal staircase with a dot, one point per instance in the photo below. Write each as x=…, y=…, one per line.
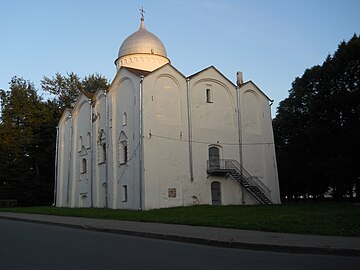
x=251, y=183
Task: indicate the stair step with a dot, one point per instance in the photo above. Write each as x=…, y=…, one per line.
x=255, y=190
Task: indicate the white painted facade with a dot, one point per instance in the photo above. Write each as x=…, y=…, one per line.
x=145, y=142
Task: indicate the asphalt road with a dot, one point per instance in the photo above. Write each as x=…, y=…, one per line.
x=25, y=245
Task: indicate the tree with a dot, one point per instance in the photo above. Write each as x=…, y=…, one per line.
x=27, y=135
x=67, y=88
x=317, y=128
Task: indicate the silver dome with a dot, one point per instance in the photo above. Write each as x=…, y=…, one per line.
x=142, y=41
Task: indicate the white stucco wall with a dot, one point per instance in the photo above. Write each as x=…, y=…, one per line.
x=99, y=167
x=124, y=98
x=63, y=161
x=215, y=124
x=257, y=138
x=166, y=162
x=81, y=191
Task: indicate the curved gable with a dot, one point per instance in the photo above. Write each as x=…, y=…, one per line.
x=213, y=100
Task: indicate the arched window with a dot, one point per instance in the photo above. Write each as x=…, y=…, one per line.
x=124, y=120
x=102, y=147
x=83, y=165
x=123, y=148
x=214, y=157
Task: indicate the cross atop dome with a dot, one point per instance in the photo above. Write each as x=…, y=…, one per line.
x=142, y=11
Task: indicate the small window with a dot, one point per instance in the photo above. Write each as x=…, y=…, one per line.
x=123, y=148
x=80, y=143
x=104, y=152
x=124, y=120
x=102, y=147
x=124, y=194
x=83, y=165
x=209, y=98
x=88, y=143
x=123, y=152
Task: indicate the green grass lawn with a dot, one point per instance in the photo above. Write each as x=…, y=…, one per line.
x=308, y=218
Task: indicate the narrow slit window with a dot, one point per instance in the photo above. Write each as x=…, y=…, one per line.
x=124, y=119
x=125, y=153
x=125, y=194
x=209, y=98
x=88, y=141
x=123, y=149
x=102, y=147
x=83, y=166
x=80, y=143
x=104, y=152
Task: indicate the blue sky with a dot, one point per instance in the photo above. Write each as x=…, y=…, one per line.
x=271, y=41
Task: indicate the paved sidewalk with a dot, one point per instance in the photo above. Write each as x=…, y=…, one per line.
x=233, y=238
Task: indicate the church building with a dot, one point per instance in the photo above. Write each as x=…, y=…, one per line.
x=157, y=138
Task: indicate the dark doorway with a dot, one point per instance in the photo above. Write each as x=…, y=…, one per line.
x=215, y=193
x=214, y=158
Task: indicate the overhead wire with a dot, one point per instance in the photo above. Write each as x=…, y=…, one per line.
x=207, y=142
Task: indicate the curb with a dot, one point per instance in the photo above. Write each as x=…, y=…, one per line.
x=326, y=250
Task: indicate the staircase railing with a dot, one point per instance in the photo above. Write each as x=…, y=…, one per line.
x=253, y=180
x=251, y=183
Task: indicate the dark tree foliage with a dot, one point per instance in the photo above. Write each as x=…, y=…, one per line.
x=317, y=128
x=67, y=88
x=27, y=135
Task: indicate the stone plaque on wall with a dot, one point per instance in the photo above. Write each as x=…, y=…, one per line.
x=172, y=192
